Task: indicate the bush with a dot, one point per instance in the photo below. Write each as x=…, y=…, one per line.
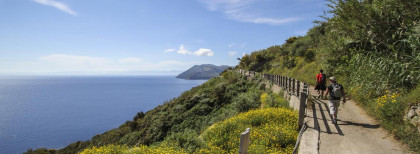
x=247, y=101
x=187, y=140
x=273, y=100
x=273, y=130
x=139, y=115
x=309, y=55
x=131, y=138
x=132, y=124
x=154, y=150
x=389, y=108
x=122, y=149
x=116, y=149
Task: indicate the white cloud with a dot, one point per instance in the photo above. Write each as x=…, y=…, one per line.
x=246, y=11
x=203, y=52
x=232, y=53
x=58, y=5
x=271, y=21
x=217, y=4
x=199, y=52
x=169, y=50
x=130, y=60
x=231, y=45
x=73, y=60
x=236, y=45
x=173, y=62
x=63, y=63
x=182, y=50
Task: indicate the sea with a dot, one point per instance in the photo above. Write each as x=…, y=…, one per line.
x=54, y=111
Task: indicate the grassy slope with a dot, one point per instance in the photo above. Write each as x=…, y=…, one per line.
x=379, y=64
x=217, y=99
x=273, y=130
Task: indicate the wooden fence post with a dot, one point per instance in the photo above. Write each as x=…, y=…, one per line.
x=282, y=84
x=298, y=88
x=280, y=81
x=293, y=86
x=271, y=78
x=275, y=80
x=243, y=147
x=303, y=97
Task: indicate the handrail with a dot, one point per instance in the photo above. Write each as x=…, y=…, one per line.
x=292, y=86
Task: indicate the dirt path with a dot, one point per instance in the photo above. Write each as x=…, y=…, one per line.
x=355, y=131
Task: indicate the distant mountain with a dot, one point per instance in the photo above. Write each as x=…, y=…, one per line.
x=204, y=71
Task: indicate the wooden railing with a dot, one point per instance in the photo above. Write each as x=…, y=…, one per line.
x=293, y=87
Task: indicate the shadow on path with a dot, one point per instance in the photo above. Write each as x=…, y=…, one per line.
x=316, y=124
x=324, y=119
x=359, y=124
x=337, y=127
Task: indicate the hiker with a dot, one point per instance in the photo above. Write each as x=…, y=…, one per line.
x=336, y=92
x=321, y=83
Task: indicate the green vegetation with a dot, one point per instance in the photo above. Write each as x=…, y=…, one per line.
x=123, y=149
x=273, y=130
x=271, y=99
x=179, y=122
x=371, y=46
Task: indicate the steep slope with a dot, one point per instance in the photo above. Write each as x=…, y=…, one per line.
x=182, y=118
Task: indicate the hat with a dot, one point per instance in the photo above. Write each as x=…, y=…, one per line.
x=332, y=78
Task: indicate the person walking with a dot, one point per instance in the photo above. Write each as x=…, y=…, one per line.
x=321, y=83
x=336, y=91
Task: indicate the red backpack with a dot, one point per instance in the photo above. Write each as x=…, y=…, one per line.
x=322, y=79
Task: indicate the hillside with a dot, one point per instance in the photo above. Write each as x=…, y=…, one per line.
x=371, y=47
x=178, y=123
x=204, y=71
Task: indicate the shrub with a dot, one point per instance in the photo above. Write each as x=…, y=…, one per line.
x=163, y=149
x=310, y=55
x=187, y=140
x=131, y=138
x=247, y=101
x=123, y=149
x=115, y=149
x=273, y=130
x=139, y=115
x=273, y=100
x=132, y=124
x=389, y=108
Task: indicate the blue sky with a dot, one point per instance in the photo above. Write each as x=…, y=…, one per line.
x=138, y=37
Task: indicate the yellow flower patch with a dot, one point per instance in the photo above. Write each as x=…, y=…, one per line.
x=273, y=130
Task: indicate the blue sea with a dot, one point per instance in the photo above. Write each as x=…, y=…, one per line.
x=54, y=111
